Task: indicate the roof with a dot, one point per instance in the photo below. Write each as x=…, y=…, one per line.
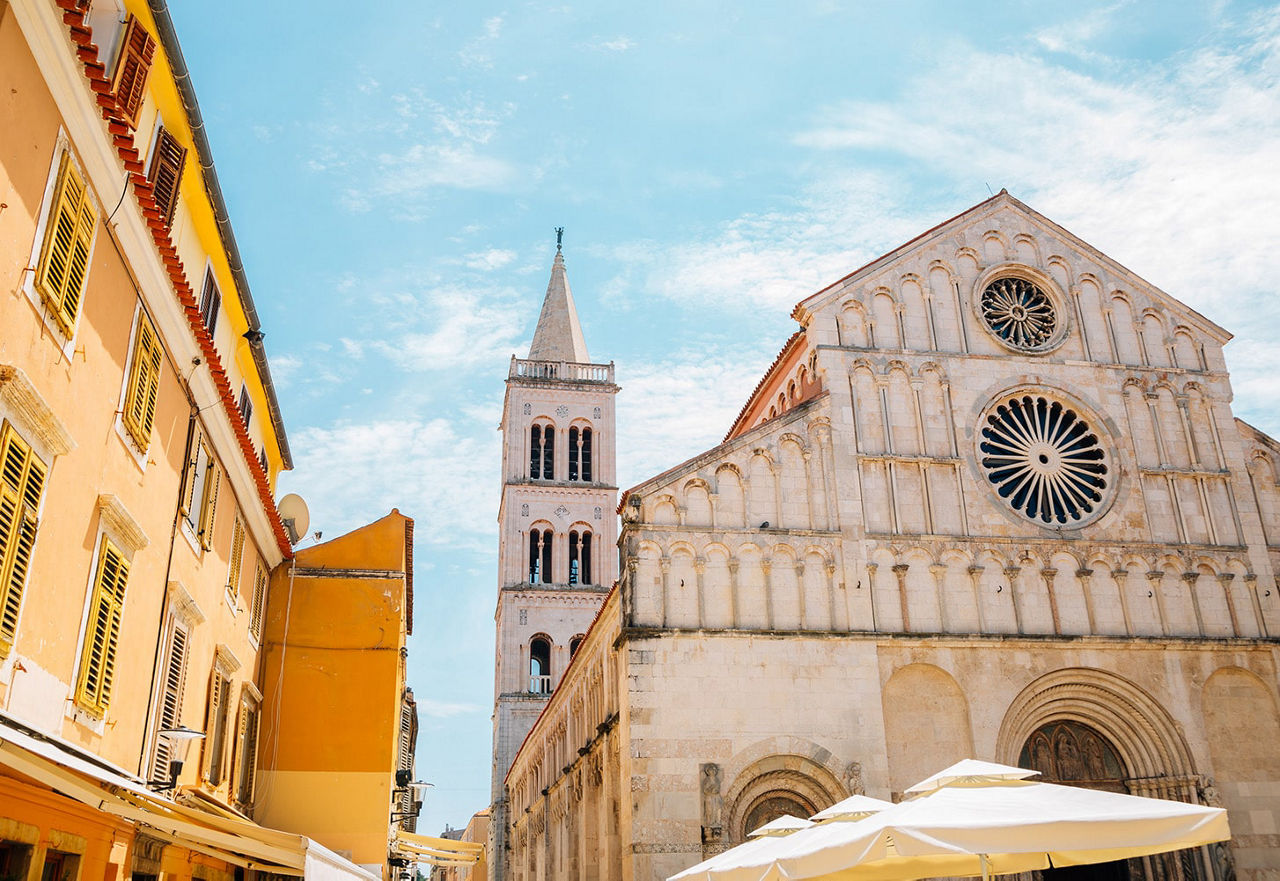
x=787, y=349
x=558, y=336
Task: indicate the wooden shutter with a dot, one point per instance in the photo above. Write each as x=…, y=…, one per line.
x=68, y=238
x=22, y=478
x=210, y=300
x=244, y=768
x=237, y=554
x=166, y=173
x=215, y=726
x=259, y=602
x=129, y=83
x=175, y=679
x=209, y=506
x=195, y=475
x=144, y=384
x=98, y=662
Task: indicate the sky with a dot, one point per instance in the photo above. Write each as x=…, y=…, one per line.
x=395, y=171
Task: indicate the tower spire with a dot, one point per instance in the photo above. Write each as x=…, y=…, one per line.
x=558, y=336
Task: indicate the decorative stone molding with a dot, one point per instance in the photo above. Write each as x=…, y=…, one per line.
x=117, y=520
x=225, y=660
x=184, y=605
x=252, y=691
x=21, y=396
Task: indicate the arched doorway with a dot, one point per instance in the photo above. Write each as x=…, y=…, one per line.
x=770, y=806
x=1071, y=753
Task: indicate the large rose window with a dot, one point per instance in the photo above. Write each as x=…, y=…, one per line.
x=1044, y=460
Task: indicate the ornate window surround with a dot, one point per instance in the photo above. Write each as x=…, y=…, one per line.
x=1042, y=281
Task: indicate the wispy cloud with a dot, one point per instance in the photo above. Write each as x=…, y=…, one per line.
x=478, y=51
x=493, y=258
x=445, y=709
x=617, y=44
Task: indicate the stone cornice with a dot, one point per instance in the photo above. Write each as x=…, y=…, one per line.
x=184, y=605
x=117, y=520
x=17, y=391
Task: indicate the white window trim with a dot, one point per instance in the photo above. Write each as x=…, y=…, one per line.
x=177, y=617
x=66, y=344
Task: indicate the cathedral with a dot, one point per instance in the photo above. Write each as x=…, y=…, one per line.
x=990, y=500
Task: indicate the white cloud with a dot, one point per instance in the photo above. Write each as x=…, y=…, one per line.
x=617, y=44
x=466, y=328
x=682, y=405
x=493, y=258
x=439, y=471
x=478, y=52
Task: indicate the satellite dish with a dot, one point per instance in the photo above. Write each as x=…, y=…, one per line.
x=296, y=517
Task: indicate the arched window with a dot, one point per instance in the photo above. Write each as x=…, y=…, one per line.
x=574, y=643
x=540, y=556
x=540, y=665
x=579, y=453
x=542, y=452
x=580, y=557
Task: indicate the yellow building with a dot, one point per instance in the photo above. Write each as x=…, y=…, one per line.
x=334, y=658
x=140, y=440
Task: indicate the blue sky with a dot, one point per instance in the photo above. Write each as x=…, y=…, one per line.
x=394, y=180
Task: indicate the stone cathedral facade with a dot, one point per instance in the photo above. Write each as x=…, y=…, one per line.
x=990, y=500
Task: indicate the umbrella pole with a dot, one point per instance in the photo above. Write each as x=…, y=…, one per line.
x=986, y=875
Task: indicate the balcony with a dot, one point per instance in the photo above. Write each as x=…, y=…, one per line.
x=539, y=685
x=561, y=371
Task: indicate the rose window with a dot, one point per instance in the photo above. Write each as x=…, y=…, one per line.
x=1019, y=313
x=1044, y=460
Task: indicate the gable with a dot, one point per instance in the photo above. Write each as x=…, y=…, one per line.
x=927, y=296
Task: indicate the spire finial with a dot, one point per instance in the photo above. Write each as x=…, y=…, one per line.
x=559, y=238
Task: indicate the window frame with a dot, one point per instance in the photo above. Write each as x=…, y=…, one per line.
x=168, y=157
x=140, y=52
x=26, y=513
x=63, y=331
x=244, y=760
x=145, y=366
x=210, y=300
x=95, y=698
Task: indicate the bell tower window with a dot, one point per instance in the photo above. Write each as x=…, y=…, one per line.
x=580, y=453
x=542, y=452
x=540, y=556
x=580, y=557
x=540, y=665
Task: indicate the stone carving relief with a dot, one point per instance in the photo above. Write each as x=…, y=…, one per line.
x=853, y=779
x=562, y=411
x=528, y=409
x=595, y=414
x=711, y=782
x=562, y=512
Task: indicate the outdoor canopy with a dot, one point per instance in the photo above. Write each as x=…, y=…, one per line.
x=977, y=818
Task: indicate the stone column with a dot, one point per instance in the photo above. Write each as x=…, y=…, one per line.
x=975, y=579
x=1121, y=578
x=1153, y=580
x=1086, y=587
x=700, y=570
x=799, y=567
x=900, y=570
x=664, y=563
x=734, y=564
x=1190, y=578
x=1251, y=582
x=1225, y=579
x=1048, y=573
x=766, y=566
x=1011, y=573
x=939, y=573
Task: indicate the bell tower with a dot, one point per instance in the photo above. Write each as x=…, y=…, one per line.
x=557, y=555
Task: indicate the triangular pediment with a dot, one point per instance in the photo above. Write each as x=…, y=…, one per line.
x=1003, y=229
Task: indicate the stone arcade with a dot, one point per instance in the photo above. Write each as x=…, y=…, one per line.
x=990, y=501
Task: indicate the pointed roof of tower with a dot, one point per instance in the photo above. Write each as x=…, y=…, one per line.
x=559, y=335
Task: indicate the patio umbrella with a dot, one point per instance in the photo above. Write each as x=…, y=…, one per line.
x=855, y=807
x=978, y=818
x=760, y=841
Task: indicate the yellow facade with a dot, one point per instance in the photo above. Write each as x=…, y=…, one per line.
x=140, y=441
x=334, y=675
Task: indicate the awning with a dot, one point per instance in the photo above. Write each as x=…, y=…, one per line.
x=437, y=851
x=234, y=840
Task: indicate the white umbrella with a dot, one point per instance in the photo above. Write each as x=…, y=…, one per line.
x=975, y=820
x=761, y=840
x=855, y=807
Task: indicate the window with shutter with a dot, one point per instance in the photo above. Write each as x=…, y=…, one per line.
x=246, y=405
x=22, y=477
x=215, y=726
x=68, y=239
x=209, y=505
x=210, y=300
x=166, y=173
x=98, y=660
x=144, y=384
x=174, y=684
x=244, y=766
x=259, y=601
x=193, y=492
x=237, y=554
x=129, y=83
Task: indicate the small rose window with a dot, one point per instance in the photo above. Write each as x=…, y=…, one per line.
x=1044, y=460
x=1019, y=313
